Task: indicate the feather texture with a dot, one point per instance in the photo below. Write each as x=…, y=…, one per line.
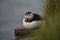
x=31, y=25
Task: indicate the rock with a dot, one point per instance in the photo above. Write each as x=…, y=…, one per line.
x=21, y=31
x=26, y=38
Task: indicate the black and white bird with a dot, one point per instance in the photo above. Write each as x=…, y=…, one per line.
x=31, y=20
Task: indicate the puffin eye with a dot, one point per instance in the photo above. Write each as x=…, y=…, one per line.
x=29, y=15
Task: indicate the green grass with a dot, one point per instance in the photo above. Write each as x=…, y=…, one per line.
x=51, y=29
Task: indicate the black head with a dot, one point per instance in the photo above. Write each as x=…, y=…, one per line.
x=28, y=16
x=27, y=13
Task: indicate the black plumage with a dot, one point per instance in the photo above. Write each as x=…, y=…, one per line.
x=36, y=17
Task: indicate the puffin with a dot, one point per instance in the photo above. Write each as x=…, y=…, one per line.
x=31, y=20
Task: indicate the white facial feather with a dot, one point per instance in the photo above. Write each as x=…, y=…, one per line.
x=30, y=16
x=31, y=25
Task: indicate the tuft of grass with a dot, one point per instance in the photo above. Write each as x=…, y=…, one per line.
x=51, y=29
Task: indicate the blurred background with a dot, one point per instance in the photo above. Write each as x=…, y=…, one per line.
x=12, y=12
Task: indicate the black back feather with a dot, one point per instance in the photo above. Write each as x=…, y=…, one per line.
x=36, y=17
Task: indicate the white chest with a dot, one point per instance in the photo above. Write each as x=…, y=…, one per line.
x=31, y=25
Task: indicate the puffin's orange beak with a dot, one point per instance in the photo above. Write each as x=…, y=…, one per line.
x=26, y=19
